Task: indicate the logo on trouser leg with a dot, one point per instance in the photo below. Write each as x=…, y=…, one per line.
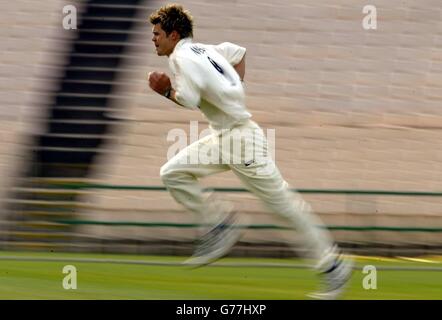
x=248, y=163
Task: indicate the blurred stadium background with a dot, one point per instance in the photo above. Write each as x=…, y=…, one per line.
x=357, y=116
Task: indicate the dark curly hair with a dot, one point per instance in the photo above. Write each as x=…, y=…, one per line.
x=173, y=17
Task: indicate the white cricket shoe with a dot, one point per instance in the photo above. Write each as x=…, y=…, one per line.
x=334, y=280
x=217, y=242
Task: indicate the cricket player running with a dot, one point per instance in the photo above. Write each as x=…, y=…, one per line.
x=209, y=77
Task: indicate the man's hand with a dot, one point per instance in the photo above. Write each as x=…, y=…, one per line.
x=159, y=82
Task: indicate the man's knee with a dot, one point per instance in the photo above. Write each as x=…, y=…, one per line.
x=166, y=173
x=170, y=174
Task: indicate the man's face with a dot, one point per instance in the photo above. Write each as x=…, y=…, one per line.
x=164, y=44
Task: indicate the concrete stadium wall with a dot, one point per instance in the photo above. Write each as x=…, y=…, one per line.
x=33, y=43
x=352, y=109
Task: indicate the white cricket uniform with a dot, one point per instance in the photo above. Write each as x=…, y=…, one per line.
x=205, y=79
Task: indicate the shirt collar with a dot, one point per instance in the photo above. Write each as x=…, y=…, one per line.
x=179, y=45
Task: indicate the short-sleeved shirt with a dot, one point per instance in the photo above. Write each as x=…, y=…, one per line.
x=205, y=78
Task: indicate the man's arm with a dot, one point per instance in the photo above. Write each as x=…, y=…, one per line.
x=160, y=83
x=241, y=67
x=235, y=55
x=171, y=94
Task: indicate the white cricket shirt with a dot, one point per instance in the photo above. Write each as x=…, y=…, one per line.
x=205, y=78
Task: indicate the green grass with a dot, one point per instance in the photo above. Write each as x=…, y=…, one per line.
x=43, y=279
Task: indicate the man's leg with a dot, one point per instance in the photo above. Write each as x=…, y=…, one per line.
x=180, y=176
x=269, y=186
x=260, y=175
x=181, y=173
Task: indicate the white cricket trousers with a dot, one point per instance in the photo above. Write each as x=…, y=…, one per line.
x=256, y=169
